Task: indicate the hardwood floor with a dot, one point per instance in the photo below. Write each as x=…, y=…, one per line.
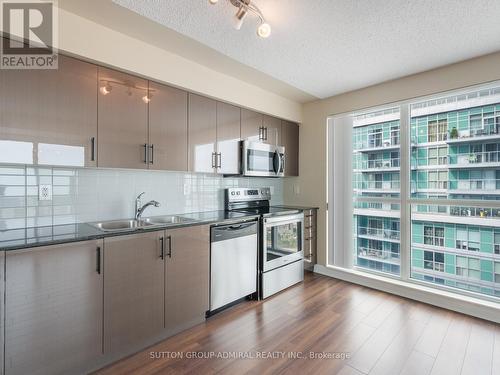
x=378, y=332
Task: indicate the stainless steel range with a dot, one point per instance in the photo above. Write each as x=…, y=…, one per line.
x=280, y=238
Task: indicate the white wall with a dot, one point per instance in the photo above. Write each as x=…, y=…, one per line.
x=310, y=187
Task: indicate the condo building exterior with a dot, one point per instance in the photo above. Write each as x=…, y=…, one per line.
x=376, y=167
x=454, y=156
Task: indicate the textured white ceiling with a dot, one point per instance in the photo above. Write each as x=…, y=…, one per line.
x=326, y=47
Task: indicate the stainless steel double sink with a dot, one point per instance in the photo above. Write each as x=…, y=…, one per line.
x=125, y=225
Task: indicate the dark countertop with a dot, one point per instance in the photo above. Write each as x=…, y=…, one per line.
x=15, y=239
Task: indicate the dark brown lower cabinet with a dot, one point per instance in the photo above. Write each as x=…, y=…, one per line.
x=187, y=277
x=53, y=309
x=74, y=307
x=2, y=309
x=133, y=291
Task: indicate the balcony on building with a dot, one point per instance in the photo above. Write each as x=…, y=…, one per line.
x=457, y=214
x=379, y=255
x=383, y=234
x=379, y=165
x=489, y=129
x=486, y=159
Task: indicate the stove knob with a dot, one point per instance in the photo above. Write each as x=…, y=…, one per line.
x=237, y=193
x=232, y=193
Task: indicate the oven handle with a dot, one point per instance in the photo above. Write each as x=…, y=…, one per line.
x=285, y=219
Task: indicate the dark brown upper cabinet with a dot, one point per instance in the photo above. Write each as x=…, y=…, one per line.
x=168, y=128
x=260, y=128
x=228, y=138
x=251, y=125
x=272, y=130
x=290, y=140
x=123, y=120
x=202, y=134
x=49, y=117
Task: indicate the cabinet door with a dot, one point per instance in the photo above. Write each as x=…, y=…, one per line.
x=272, y=130
x=202, y=133
x=123, y=120
x=168, y=139
x=2, y=310
x=290, y=135
x=228, y=138
x=49, y=117
x=187, y=276
x=53, y=299
x=133, y=291
x=251, y=125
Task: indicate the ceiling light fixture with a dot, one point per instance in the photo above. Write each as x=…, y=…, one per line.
x=244, y=7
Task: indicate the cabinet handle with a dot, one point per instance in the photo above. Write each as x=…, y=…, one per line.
x=145, y=145
x=261, y=133
x=169, y=238
x=162, y=248
x=214, y=161
x=92, y=149
x=98, y=260
x=151, y=161
x=265, y=133
x=219, y=160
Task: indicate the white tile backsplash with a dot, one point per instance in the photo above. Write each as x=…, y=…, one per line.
x=85, y=195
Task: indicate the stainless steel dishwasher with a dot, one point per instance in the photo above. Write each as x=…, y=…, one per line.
x=233, y=263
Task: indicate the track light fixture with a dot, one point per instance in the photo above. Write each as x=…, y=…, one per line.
x=245, y=7
x=147, y=98
x=105, y=89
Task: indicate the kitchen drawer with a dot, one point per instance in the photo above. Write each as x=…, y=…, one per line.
x=309, y=232
x=309, y=247
x=309, y=219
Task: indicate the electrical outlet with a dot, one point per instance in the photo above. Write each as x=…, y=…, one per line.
x=44, y=192
x=296, y=189
x=186, y=189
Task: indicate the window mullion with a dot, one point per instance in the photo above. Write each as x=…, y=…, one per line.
x=404, y=176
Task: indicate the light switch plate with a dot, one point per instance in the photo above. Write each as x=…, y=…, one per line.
x=44, y=192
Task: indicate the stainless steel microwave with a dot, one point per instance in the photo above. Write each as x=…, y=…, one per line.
x=263, y=160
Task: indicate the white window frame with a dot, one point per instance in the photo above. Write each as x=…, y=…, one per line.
x=339, y=235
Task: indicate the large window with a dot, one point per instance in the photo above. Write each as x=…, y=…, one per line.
x=425, y=191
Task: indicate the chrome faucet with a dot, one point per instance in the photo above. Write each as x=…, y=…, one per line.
x=139, y=209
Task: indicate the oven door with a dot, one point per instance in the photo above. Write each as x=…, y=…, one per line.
x=282, y=240
x=260, y=159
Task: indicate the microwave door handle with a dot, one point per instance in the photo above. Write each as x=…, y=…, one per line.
x=276, y=162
